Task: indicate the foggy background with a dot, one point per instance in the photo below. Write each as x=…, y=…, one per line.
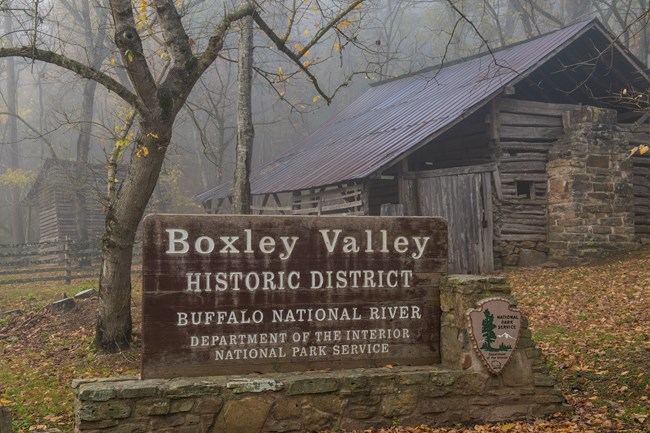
x=46, y=110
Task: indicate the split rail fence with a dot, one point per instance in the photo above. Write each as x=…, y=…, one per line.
x=65, y=260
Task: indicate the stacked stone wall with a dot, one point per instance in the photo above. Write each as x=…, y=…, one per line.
x=591, y=196
x=459, y=390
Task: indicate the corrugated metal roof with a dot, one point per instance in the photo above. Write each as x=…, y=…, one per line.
x=397, y=116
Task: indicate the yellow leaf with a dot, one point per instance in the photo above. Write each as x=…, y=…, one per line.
x=143, y=6
x=307, y=52
x=113, y=60
x=179, y=4
x=316, y=98
x=152, y=135
x=4, y=401
x=643, y=149
x=305, y=63
x=297, y=46
x=507, y=427
x=358, y=6
x=307, y=32
x=337, y=47
x=634, y=150
x=144, y=151
x=344, y=24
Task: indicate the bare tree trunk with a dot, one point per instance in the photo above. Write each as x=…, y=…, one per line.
x=17, y=226
x=95, y=44
x=83, y=149
x=241, y=197
x=114, y=325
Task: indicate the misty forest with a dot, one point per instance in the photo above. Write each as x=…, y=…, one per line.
x=50, y=112
x=114, y=109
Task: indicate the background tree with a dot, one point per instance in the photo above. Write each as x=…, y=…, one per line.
x=155, y=104
x=158, y=51
x=11, y=131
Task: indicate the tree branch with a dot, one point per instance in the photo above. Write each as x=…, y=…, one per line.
x=129, y=43
x=39, y=134
x=216, y=41
x=279, y=43
x=324, y=29
x=74, y=66
x=175, y=36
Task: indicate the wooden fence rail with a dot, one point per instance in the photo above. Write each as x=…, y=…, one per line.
x=64, y=260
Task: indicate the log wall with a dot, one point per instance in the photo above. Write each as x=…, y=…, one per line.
x=522, y=133
x=56, y=210
x=641, y=170
x=641, y=181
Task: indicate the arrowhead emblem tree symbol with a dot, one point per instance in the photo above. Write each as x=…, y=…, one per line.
x=494, y=329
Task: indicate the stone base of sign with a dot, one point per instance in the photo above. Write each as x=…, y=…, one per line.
x=458, y=391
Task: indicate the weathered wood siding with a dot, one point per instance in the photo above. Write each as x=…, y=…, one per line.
x=641, y=172
x=56, y=209
x=342, y=199
x=463, y=196
x=523, y=135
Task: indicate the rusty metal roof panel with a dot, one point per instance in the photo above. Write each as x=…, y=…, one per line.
x=396, y=116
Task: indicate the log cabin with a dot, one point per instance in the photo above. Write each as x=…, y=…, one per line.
x=524, y=150
x=51, y=200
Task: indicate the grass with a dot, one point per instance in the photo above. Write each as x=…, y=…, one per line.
x=42, y=353
x=592, y=322
x=595, y=330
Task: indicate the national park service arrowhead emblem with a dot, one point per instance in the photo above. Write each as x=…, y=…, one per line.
x=494, y=328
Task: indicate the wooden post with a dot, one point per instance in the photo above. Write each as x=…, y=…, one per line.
x=365, y=198
x=68, y=261
x=5, y=420
x=390, y=209
x=295, y=202
x=402, y=168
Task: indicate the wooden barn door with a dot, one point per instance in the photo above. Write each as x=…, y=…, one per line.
x=463, y=196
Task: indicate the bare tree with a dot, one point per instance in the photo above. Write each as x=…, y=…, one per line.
x=156, y=104
x=94, y=40
x=11, y=96
x=241, y=197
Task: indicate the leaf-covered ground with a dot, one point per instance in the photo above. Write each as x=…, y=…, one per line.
x=593, y=323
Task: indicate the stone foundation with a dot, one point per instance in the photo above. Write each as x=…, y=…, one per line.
x=459, y=390
x=590, y=191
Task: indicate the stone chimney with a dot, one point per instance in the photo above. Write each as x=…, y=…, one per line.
x=590, y=192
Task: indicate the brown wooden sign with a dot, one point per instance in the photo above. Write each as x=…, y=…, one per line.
x=239, y=294
x=494, y=328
